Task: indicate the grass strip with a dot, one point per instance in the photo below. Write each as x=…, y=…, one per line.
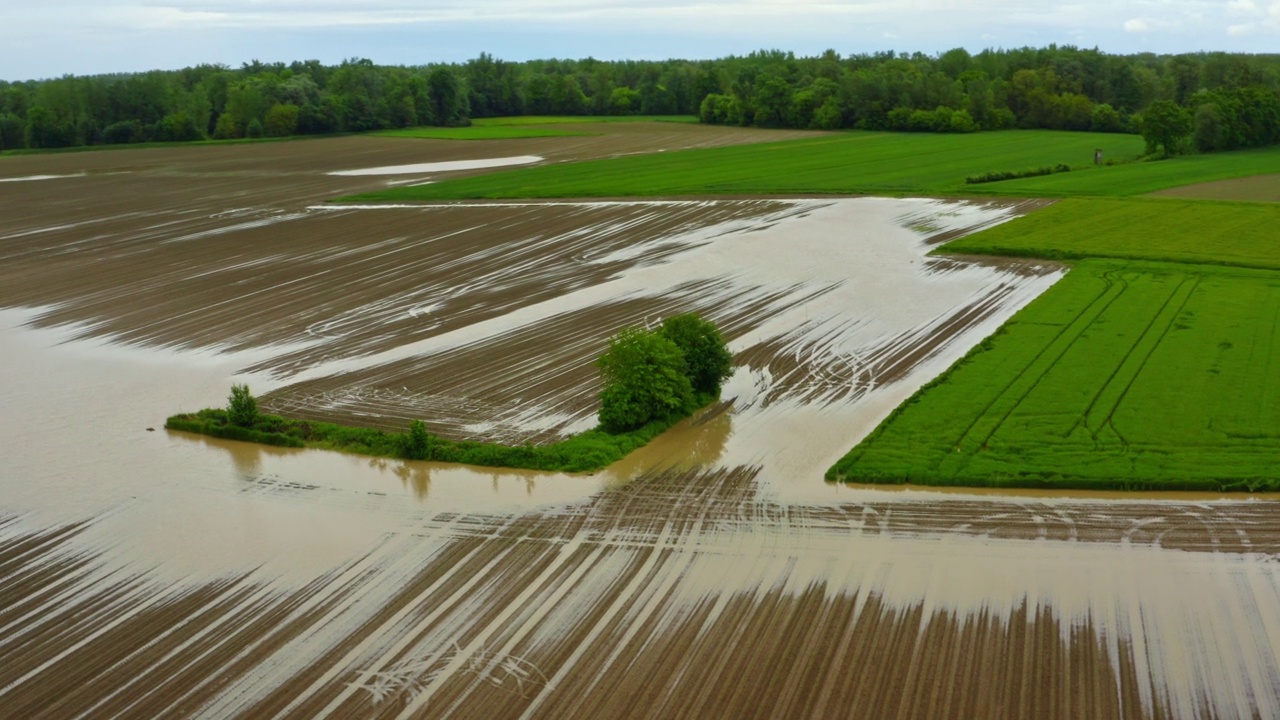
x=584, y=452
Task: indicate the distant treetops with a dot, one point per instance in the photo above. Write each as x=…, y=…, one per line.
x=1231, y=98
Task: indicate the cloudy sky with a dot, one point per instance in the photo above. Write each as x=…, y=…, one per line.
x=55, y=37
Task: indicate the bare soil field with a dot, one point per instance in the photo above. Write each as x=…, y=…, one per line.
x=1258, y=188
x=710, y=574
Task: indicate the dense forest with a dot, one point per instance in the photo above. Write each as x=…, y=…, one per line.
x=1218, y=100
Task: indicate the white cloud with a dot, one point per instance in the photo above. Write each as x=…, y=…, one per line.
x=1241, y=7
x=85, y=36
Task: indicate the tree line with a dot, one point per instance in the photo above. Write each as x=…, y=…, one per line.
x=1231, y=99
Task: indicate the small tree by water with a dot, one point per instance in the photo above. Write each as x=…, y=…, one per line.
x=242, y=409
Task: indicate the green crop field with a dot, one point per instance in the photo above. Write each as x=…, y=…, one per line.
x=1194, y=231
x=1125, y=375
x=479, y=132
x=852, y=162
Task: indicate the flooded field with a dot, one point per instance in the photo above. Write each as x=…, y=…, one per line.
x=711, y=574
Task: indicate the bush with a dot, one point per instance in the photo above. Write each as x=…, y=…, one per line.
x=416, y=444
x=707, y=360
x=126, y=131
x=242, y=409
x=644, y=380
x=1015, y=174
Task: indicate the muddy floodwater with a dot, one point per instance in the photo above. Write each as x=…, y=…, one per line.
x=711, y=574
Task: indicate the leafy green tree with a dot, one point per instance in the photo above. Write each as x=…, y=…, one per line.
x=707, y=360
x=644, y=380
x=11, y=131
x=1165, y=127
x=242, y=408
x=447, y=100
x=1209, y=128
x=624, y=101
x=225, y=128
x=281, y=120
x=1106, y=119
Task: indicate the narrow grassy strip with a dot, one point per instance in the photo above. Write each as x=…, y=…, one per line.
x=585, y=452
x=479, y=132
x=1125, y=375
x=850, y=162
x=1163, y=229
x=579, y=119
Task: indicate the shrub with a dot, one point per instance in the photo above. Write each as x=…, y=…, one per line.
x=416, y=444
x=1015, y=174
x=644, y=380
x=242, y=409
x=707, y=360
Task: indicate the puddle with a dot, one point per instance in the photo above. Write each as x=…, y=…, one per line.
x=445, y=166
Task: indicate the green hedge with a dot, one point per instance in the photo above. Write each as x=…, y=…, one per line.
x=585, y=452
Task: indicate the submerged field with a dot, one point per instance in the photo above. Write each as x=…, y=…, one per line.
x=710, y=573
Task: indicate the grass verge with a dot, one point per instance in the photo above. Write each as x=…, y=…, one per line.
x=1125, y=375
x=585, y=452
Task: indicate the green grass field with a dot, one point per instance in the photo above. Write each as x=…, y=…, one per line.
x=853, y=162
x=479, y=132
x=1190, y=231
x=1125, y=375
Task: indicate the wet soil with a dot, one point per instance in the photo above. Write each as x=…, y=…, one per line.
x=711, y=574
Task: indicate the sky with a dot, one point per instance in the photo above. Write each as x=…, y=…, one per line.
x=87, y=37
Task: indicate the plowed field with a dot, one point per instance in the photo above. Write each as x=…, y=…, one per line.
x=711, y=574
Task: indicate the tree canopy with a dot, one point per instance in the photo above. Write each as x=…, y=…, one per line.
x=1055, y=87
x=655, y=374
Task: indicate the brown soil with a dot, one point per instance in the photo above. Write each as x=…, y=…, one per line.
x=1258, y=188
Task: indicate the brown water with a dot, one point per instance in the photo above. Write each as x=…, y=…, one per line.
x=148, y=573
